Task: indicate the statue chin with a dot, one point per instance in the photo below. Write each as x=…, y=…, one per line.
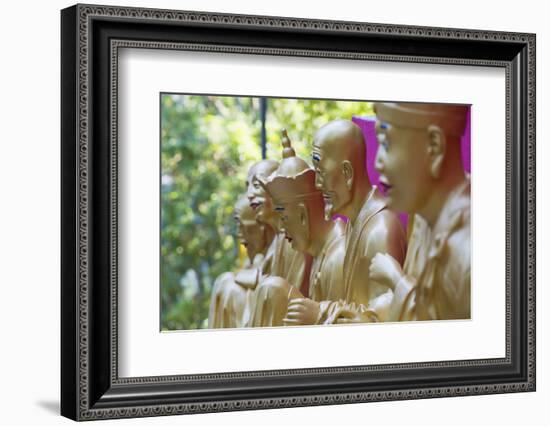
x=260, y=216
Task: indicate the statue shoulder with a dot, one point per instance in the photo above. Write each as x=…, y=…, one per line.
x=381, y=218
x=389, y=219
x=384, y=233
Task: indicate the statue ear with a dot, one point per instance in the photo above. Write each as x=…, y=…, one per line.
x=436, y=149
x=347, y=170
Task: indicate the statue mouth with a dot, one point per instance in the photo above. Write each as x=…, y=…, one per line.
x=255, y=205
x=384, y=185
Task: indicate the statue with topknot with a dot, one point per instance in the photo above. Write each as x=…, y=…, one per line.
x=301, y=209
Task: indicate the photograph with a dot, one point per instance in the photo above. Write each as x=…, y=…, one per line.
x=281, y=212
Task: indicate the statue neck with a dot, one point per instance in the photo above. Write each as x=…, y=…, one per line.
x=440, y=194
x=321, y=232
x=269, y=235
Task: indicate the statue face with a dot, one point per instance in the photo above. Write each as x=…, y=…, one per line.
x=330, y=178
x=295, y=224
x=403, y=162
x=250, y=233
x=259, y=200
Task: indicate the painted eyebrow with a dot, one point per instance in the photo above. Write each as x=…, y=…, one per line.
x=279, y=209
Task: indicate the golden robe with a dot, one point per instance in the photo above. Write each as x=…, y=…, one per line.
x=283, y=261
x=437, y=281
x=231, y=295
x=325, y=283
x=268, y=306
x=376, y=229
x=327, y=270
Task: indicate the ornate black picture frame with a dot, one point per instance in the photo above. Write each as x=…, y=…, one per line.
x=90, y=39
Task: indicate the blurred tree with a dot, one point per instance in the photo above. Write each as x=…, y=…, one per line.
x=302, y=118
x=207, y=145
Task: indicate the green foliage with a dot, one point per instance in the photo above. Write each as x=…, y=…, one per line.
x=302, y=118
x=207, y=145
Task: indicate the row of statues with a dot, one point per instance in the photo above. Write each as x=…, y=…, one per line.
x=325, y=246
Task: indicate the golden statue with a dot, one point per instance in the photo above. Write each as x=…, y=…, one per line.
x=420, y=164
x=281, y=260
x=231, y=294
x=301, y=208
x=339, y=156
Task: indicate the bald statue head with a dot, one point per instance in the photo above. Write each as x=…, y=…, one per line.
x=419, y=151
x=338, y=156
x=257, y=197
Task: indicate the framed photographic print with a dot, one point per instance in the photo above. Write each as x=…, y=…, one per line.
x=263, y=212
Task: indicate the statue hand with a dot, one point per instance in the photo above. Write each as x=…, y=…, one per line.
x=302, y=311
x=385, y=270
x=350, y=316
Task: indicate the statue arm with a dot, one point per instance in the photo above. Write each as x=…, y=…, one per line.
x=248, y=278
x=455, y=277
x=403, y=301
x=383, y=236
x=330, y=289
x=385, y=253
